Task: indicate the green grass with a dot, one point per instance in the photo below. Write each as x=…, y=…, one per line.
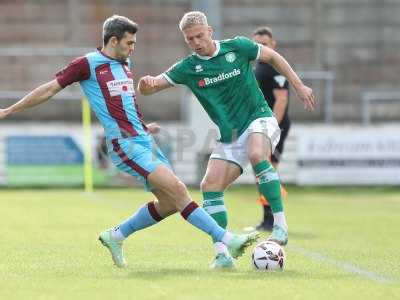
x=49, y=248
x=47, y=176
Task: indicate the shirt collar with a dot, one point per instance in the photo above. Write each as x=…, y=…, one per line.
x=217, y=45
x=109, y=57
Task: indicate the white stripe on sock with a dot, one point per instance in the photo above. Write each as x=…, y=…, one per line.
x=279, y=219
x=226, y=239
x=220, y=248
x=214, y=209
x=117, y=235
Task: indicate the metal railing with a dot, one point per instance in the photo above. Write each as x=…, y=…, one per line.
x=368, y=97
x=63, y=95
x=44, y=51
x=327, y=77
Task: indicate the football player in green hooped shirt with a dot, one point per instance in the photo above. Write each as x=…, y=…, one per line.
x=220, y=75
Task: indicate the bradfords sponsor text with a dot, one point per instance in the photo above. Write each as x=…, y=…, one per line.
x=222, y=76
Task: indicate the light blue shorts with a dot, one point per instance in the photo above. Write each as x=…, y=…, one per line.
x=137, y=156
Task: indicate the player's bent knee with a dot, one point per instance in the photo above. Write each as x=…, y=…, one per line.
x=209, y=185
x=179, y=190
x=203, y=185
x=212, y=184
x=257, y=156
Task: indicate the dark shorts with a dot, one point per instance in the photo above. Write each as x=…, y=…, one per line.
x=285, y=126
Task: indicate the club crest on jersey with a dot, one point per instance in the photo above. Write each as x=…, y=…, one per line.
x=198, y=68
x=230, y=57
x=120, y=87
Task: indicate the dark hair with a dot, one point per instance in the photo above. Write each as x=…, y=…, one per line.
x=117, y=26
x=263, y=31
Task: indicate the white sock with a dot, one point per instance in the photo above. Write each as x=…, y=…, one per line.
x=226, y=239
x=117, y=235
x=279, y=219
x=220, y=248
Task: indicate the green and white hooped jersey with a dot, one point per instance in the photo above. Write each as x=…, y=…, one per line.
x=225, y=85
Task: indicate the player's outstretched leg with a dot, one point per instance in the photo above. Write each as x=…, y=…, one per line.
x=236, y=243
x=113, y=239
x=167, y=182
x=240, y=242
x=114, y=246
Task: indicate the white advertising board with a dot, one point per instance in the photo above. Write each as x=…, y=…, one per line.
x=352, y=155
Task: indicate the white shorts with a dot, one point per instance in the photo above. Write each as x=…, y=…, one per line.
x=236, y=152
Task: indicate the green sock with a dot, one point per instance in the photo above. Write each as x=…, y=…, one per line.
x=269, y=185
x=213, y=204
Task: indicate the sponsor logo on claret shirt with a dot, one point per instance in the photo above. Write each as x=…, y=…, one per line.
x=119, y=87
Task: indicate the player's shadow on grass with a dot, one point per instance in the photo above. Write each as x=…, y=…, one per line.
x=287, y=274
x=166, y=273
x=302, y=235
x=292, y=234
x=179, y=273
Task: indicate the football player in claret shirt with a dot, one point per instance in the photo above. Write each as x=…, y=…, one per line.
x=275, y=89
x=220, y=75
x=105, y=77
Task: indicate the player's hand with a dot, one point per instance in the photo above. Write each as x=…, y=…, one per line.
x=153, y=127
x=147, y=82
x=4, y=113
x=306, y=96
x=147, y=85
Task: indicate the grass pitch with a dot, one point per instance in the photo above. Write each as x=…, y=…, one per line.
x=343, y=244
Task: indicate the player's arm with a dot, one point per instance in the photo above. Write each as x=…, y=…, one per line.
x=149, y=84
x=38, y=96
x=77, y=70
x=153, y=127
x=281, y=102
x=304, y=93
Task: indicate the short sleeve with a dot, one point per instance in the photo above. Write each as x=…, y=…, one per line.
x=247, y=47
x=75, y=71
x=175, y=74
x=279, y=81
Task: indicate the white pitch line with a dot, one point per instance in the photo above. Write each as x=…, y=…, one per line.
x=343, y=265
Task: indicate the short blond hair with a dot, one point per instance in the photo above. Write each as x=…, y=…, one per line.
x=192, y=18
